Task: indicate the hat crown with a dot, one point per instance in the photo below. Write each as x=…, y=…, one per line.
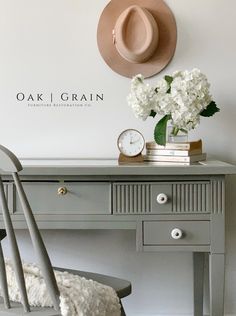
x=138, y=39
x=136, y=34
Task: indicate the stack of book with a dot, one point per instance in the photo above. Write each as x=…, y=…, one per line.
x=175, y=153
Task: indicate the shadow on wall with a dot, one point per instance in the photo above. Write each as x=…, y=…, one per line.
x=225, y=131
x=217, y=133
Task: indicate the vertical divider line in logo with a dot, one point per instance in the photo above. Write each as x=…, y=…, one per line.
x=51, y=97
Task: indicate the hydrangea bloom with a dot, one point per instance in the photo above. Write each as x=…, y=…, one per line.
x=190, y=95
x=142, y=97
x=182, y=98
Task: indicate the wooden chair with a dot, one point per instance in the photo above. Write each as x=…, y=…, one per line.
x=10, y=164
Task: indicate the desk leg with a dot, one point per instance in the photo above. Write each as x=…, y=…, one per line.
x=198, y=282
x=217, y=279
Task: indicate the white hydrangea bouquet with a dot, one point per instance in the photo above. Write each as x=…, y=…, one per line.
x=181, y=98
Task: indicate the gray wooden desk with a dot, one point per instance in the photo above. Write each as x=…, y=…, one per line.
x=172, y=208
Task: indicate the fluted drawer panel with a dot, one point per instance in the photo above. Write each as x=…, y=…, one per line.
x=132, y=198
x=185, y=197
x=218, y=196
x=141, y=198
x=191, y=197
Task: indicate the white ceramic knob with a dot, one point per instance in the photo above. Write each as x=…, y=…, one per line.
x=176, y=233
x=162, y=198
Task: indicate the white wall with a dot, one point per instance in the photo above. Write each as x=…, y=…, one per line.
x=50, y=46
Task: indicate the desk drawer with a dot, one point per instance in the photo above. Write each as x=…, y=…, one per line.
x=80, y=198
x=161, y=197
x=169, y=233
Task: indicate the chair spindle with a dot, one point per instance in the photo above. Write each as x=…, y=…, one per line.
x=17, y=264
x=40, y=249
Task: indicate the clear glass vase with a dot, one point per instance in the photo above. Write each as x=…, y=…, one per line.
x=176, y=135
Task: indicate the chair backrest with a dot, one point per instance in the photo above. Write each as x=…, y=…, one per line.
x=10, y=164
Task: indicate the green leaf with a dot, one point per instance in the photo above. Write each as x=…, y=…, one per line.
x=210, y=110
x=169, y=80
x=160, y=130
x=153, y=113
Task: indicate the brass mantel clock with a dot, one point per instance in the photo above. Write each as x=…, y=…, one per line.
x=131, y=144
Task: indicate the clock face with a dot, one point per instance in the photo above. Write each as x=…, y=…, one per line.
x=131, y=142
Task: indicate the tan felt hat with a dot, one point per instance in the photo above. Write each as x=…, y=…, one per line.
x=137, y=36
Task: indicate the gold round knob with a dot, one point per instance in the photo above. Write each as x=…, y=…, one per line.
x=62, y=191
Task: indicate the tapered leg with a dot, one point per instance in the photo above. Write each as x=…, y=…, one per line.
x=198, y=282
x=217, y=280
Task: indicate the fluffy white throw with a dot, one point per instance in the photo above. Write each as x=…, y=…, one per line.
x=78, y=296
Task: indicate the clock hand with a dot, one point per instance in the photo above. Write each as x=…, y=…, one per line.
x=136, y=140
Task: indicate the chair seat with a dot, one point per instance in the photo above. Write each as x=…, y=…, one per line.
x=122, y=287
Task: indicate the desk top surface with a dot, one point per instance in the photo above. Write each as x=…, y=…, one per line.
x=111, y=167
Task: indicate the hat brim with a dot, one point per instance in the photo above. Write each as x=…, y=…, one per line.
x=167, y=38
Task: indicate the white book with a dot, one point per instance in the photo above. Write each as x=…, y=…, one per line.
x=169, y=163
x=176, y=146
x=173, y=152
x=188, y=159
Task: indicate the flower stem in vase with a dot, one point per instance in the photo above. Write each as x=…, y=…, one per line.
x=174, y=131
x=177, y=135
